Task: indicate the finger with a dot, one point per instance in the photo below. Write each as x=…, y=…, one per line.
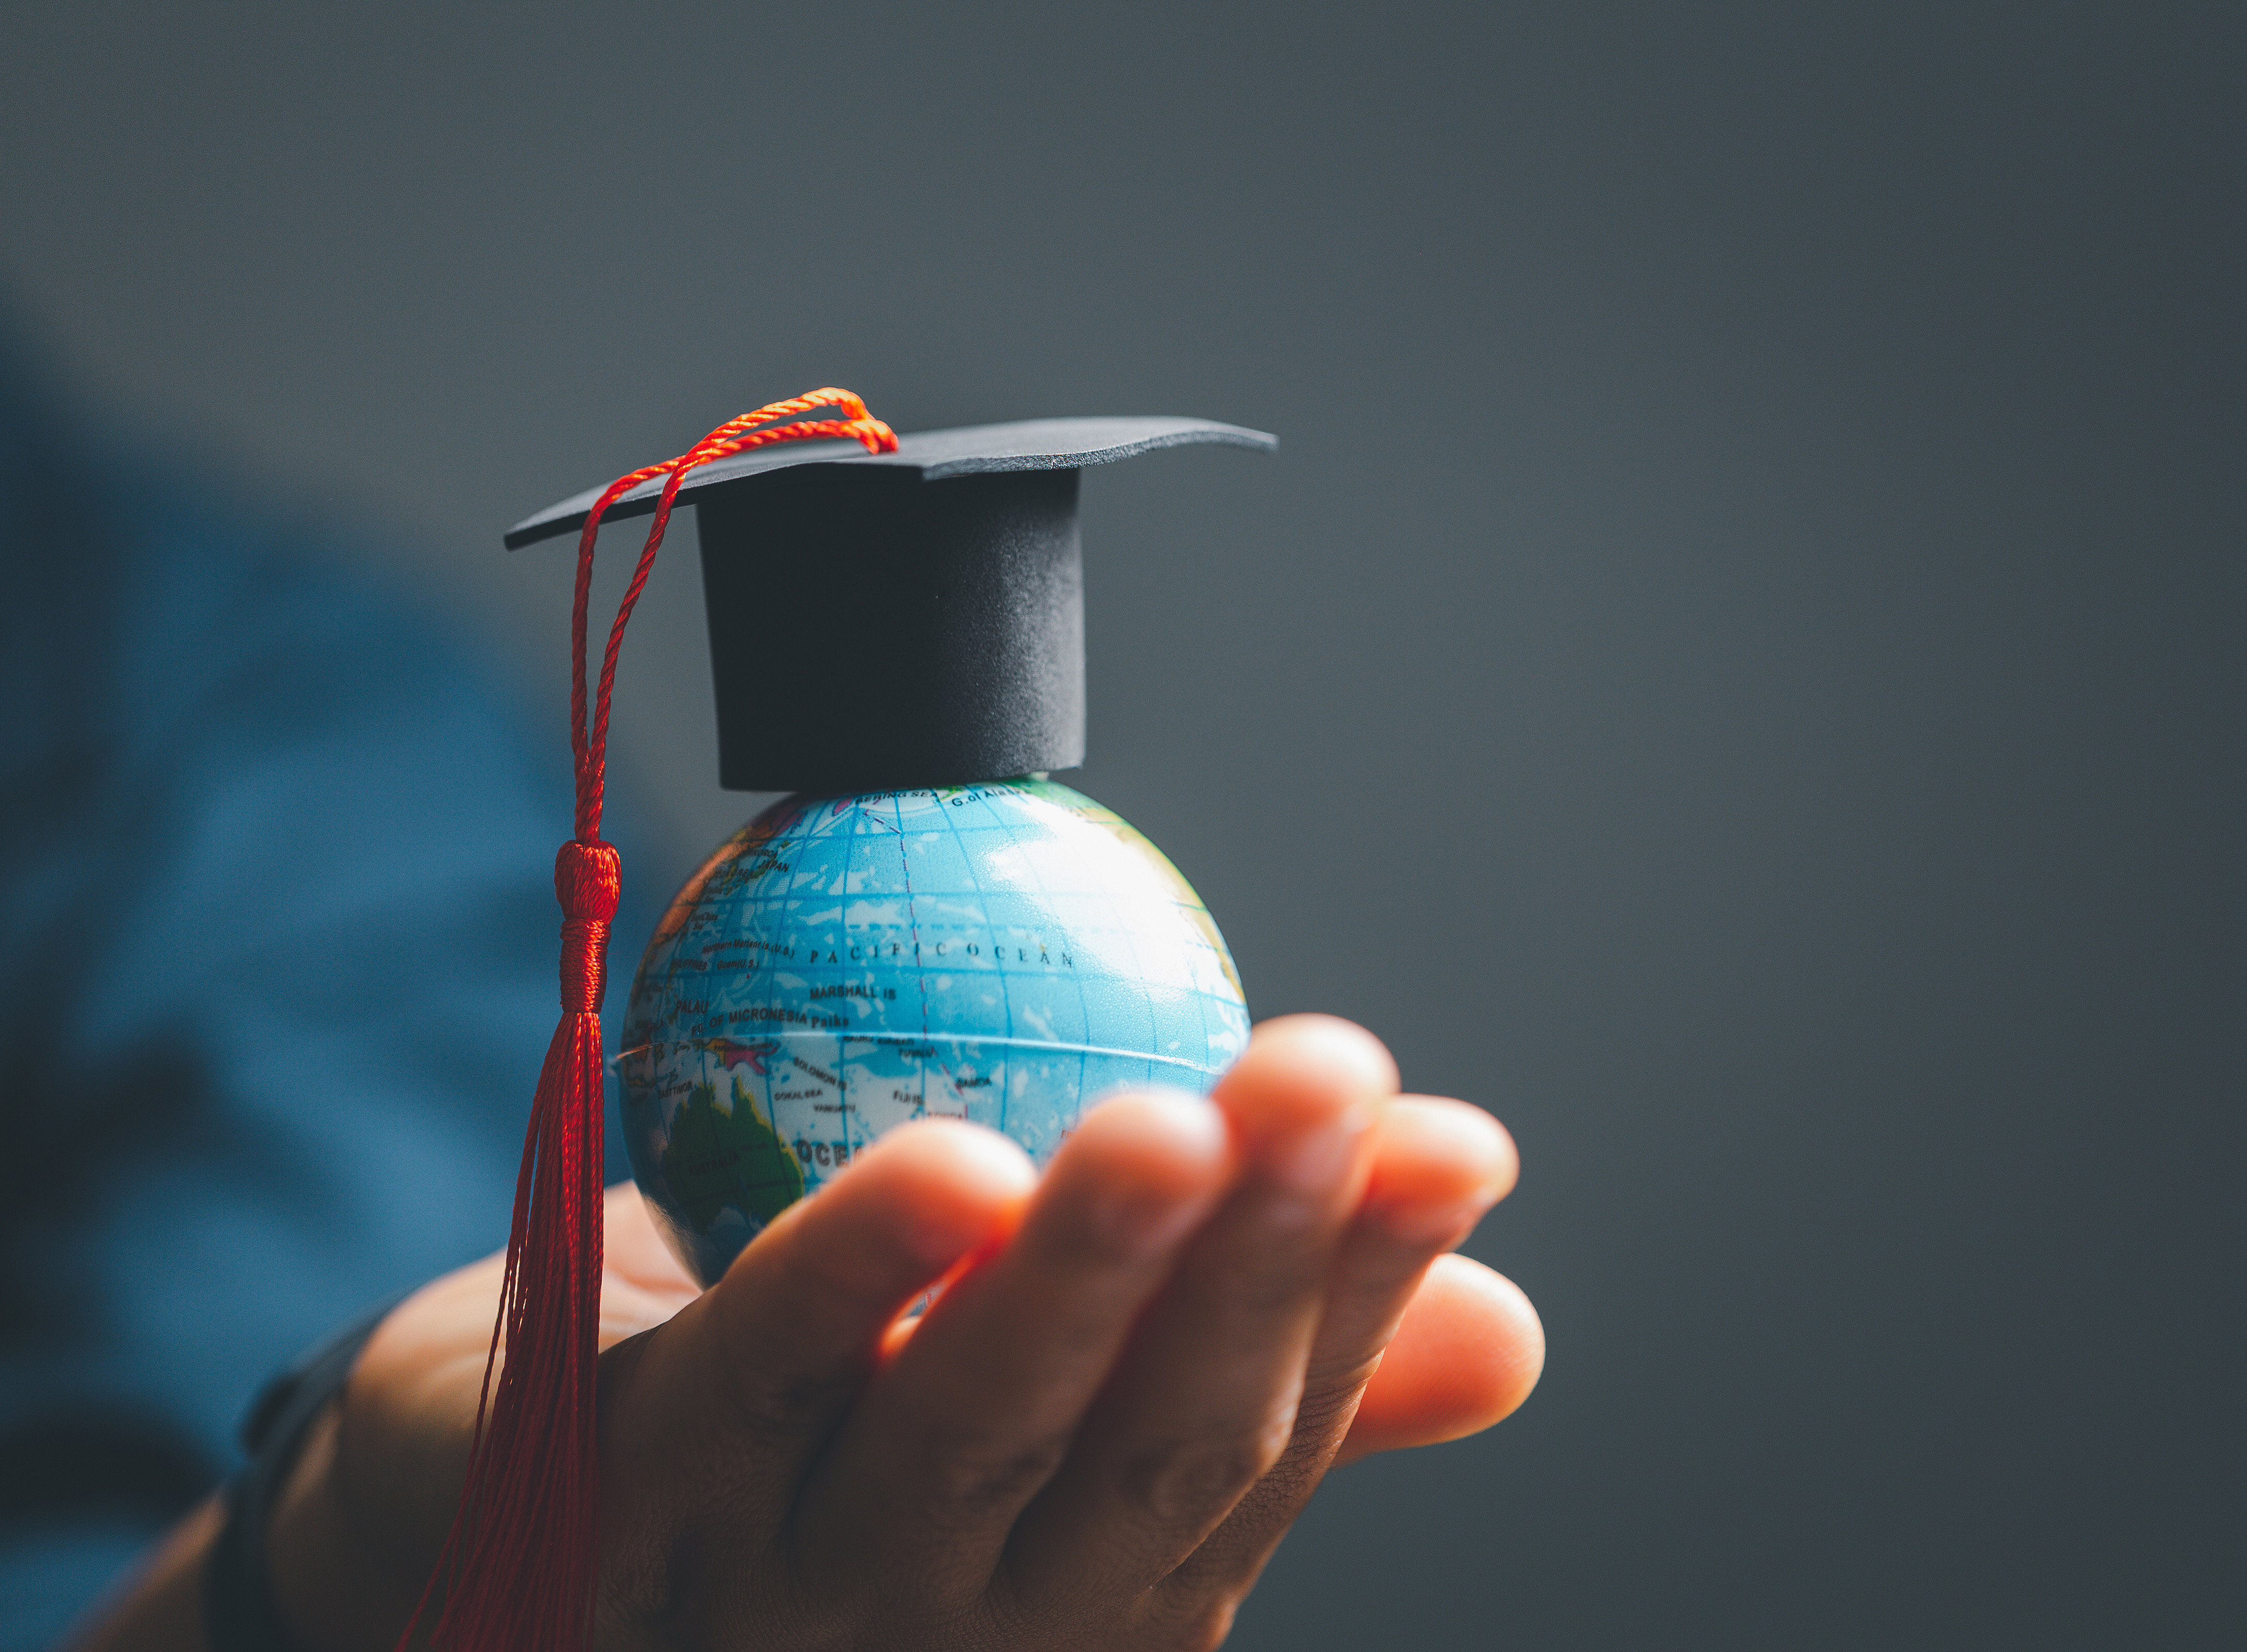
x=1468, y=1353
x=715, y=1415
x=1203, y=1398
x=1437, y=1166
x=978, y=1409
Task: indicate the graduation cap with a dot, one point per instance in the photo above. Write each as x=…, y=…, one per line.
x=886, y=613
x=903, y=619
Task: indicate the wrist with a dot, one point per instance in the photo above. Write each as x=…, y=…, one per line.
x=282, y=1481
x=328, y=1588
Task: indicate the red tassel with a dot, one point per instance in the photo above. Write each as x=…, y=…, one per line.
x=518, y=1569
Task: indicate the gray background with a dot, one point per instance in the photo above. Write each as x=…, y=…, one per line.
x=1735, y=666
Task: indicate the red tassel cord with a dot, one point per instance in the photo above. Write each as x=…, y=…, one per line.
x=518, y=1570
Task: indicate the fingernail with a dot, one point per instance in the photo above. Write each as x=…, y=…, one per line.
x=1143, y=1222
x=1318, y=1160
x=1437, y=1225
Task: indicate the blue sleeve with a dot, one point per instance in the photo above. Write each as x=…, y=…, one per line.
x=277, y=944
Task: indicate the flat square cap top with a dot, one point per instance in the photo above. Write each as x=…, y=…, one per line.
x=1031, y=444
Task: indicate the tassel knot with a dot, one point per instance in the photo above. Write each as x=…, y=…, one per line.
x=586, y=881
x=587, y=877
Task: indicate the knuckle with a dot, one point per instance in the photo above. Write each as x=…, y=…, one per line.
x=1185, y=1483
x=972, y=1473
x=1330, y=1400
x=1270, y=1287
x=776, y=1408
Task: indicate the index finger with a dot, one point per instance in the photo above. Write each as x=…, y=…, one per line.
x=717, y=1414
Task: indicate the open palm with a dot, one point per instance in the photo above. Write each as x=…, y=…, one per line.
x=1136, y=1372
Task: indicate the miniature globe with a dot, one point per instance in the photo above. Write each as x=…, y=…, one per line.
x=1006, y=953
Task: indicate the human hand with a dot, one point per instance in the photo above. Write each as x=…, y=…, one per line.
x=1137, y=1371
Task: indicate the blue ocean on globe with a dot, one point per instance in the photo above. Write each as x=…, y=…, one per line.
x=1007, y=953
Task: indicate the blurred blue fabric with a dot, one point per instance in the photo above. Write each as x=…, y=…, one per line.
x=277, y=969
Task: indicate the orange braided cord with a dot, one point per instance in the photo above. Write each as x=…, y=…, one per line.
x=589, y=741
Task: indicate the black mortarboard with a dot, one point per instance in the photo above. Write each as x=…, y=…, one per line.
x=881, y=621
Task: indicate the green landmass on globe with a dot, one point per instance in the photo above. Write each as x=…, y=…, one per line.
x=1006, y=953
x=717, y=1157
